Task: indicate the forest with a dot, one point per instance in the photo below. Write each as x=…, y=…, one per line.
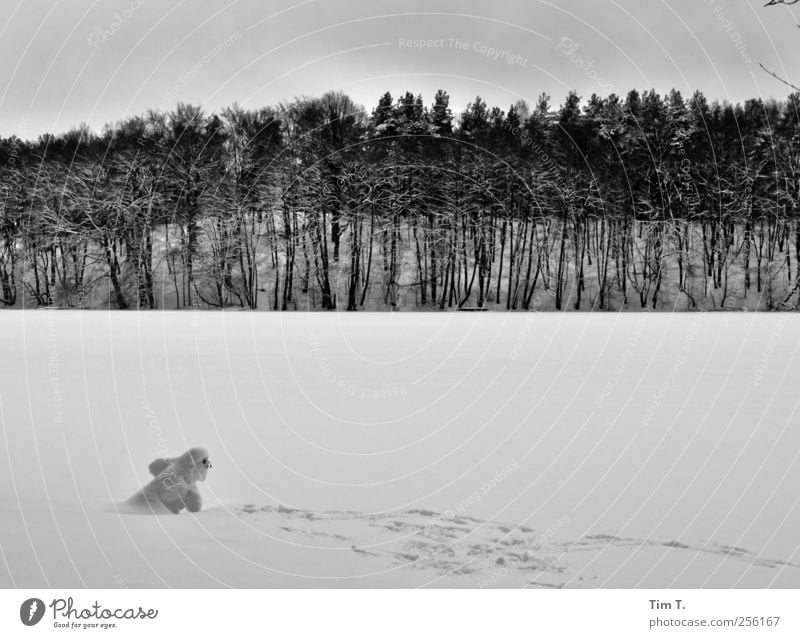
x=647, y=201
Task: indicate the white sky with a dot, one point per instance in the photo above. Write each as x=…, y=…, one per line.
x=58, y=71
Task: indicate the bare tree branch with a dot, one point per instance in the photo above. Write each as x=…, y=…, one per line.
x=772, y=3
x=779, y=78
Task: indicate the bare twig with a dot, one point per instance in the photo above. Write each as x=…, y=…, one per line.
x=772, y=3
x=779, y=78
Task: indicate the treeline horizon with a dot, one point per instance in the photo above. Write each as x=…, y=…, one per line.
x=643, y=201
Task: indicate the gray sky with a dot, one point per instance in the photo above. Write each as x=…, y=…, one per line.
x=70, y=61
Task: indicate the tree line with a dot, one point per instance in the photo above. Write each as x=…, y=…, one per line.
x=644, y=201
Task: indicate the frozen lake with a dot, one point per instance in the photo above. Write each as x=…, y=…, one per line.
x=459, y=449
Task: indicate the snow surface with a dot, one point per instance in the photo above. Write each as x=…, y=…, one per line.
x=400, y=450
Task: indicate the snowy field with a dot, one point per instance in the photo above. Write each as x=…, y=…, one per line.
x=403, y=450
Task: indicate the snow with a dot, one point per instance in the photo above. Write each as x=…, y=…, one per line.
x=403, y=450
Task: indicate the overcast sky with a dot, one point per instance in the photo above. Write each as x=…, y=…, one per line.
x=70, y=61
